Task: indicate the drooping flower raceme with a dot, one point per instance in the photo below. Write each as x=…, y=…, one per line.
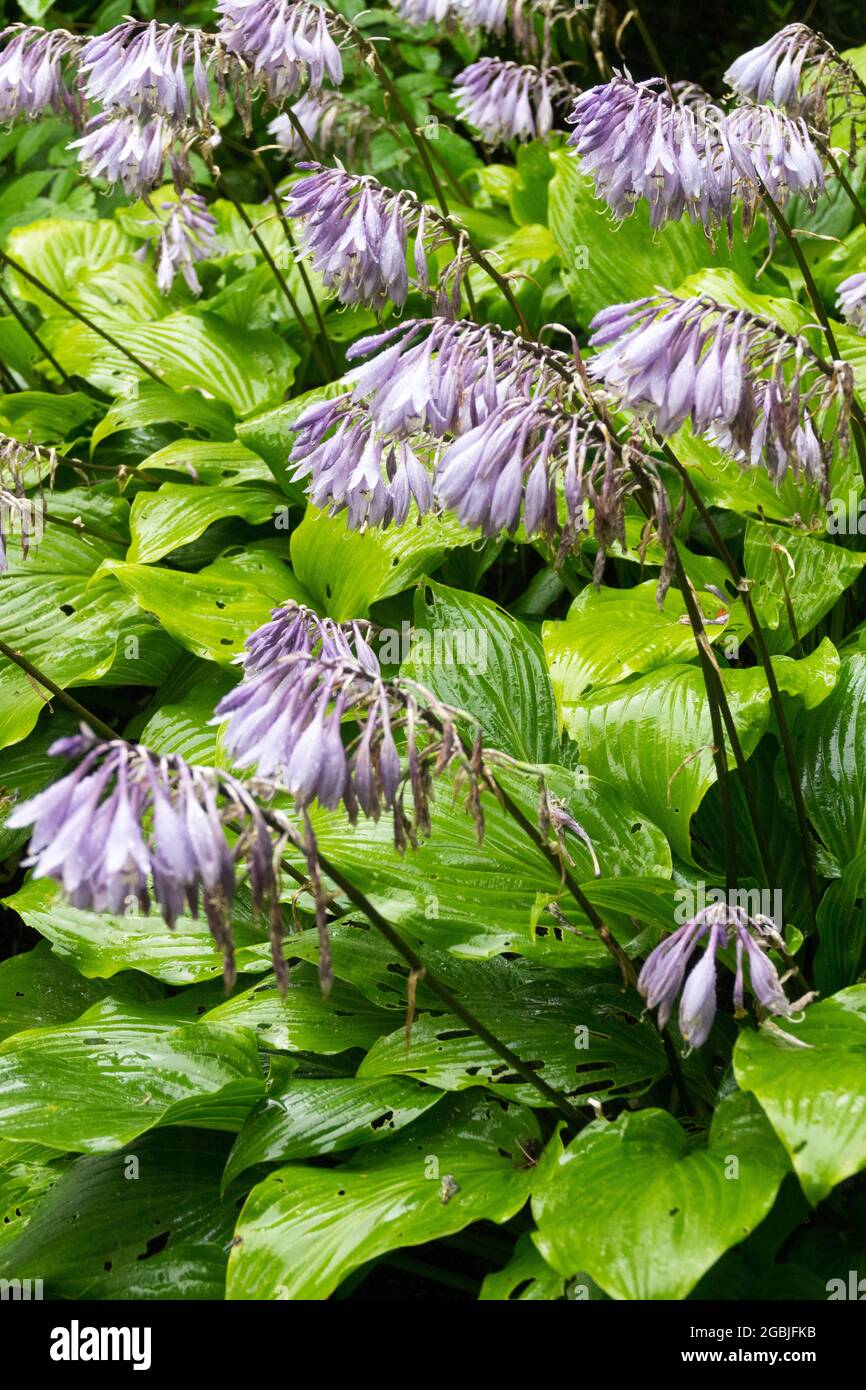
x=799, y=71
x=506, y=101
x=638, y=142
x=149, y=68
x=125, y=826
x=719, y=925
x=285, y=43
x=186, y=234
x=851, y=299
x=307, y=679
x=331, y=120
x=356, y=232
x=124, y=148
x=489, y=15
x=758, y=392
x=32, y=72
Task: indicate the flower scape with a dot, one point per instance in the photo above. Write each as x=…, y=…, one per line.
x=432, y=658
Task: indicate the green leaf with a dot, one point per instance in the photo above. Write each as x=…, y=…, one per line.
x=207, y=462
x=583, y=1038
x=100, y=945
x=74, y=259
x=247, y=368
x=833, y=762
x=526, y=1278
x=210, y=614
x=645, y=1211
x=271, y=435
x=152, y=404
x=43, y=418
x=841, y=955
x=304, y=1229
x=168, y=1235
x=813, y=573
x=116, y=1072
x=37, y=989
x=321, y=1117
x=480, y=900
x=475, y=656
x=607, y=264
x=177, y=513
x=304, y=1021
x=346, y=571
x=810, y=1076
x=610, y=634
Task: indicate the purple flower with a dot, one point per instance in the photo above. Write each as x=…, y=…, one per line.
x=661, y=978
x=284, y=41
x=329, y=119
x=127, y=150
x=32, y=72
x=186, y=235
x=125, y=826
x=851, y=299
x=469, y=14
x=142, y=68
x=356, y=233
x=638, y=142
x=314, y=714
x=506, y=101
x=774, y=71
x=758, y=392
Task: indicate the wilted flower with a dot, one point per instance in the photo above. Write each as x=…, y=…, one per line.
x=851, y=299
x=758, y=391
x=186, y=235
x=639, y=142
x=142, y=68
x=32, y=72
x=126, y=826
x=329, y=120
x=306, y=679
x=285, y=42
x=662, y=976
x=506, y=101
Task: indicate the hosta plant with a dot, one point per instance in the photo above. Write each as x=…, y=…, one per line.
x=432, y=660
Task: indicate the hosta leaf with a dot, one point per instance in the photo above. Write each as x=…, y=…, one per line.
x=813, y=573
x=667, y=775
x=44, y=418
x=526, y=1278
x=833, y=763
x=152, y=404
x=611, y=634
x=809, y=1074
x=207, y=461
x=645, y=1211
x=346, y=571
x=841, y=955
x=246, y=368
x=168, y=1235
x=605, y=264
x=100, y=945
x=272, y=436
x=474, y=656
x=483, y=899
x=66, y=256
x=303, y=1229
x=304, y=1021
x=116, y=1072
x=211, y=615
x=318, y=1117
x=184, y=726
x=177, y=513
x=26, y=1174
x=37, y=989
x=583, y=1039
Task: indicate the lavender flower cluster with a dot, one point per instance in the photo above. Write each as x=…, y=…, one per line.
x=639, y=142
x=799, y=71
x=304, y=679
x=33, y=74
x=284, y=42
x=186, y=233
x=661, y=978
x=489, y=15
x=125, y=826
x=757, y=392
x=507, y=101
